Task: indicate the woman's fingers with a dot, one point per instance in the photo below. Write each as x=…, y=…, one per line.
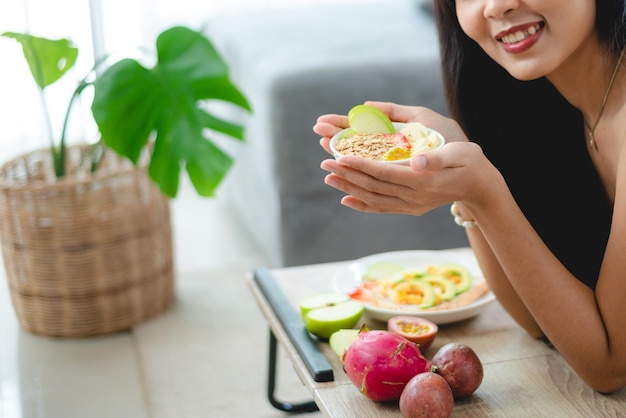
x=368, y=174
x=365, y=199
x=329, y=125
x=371, y=186
x=452, y=155
x=325, y=143
x=450, y=130
x=398, y=113
x=432, y=179
x=334, y=119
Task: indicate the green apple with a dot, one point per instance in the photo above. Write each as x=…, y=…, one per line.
x=339, y=341
x=347, y=132
x=369, y=119
x=325, y=313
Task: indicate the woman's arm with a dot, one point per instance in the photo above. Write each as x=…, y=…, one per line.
x=499, y=283
x=585, y=326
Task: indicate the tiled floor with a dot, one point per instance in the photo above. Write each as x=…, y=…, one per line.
x=206, y=357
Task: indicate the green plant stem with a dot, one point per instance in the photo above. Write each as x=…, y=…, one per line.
x=60, y=169
x=56, y=158
x=57, y=162
x=96, y=152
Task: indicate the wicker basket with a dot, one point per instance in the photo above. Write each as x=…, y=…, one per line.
x=87, y=255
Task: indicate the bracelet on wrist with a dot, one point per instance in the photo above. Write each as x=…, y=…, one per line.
x=459, y=220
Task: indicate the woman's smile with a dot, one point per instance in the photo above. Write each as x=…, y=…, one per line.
x=520, y=38
x=529, y=38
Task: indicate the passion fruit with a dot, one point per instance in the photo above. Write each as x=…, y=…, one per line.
x=460, y=366
x=418, y=330
x=426, y=395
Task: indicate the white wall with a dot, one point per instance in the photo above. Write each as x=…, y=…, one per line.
x=123, y=25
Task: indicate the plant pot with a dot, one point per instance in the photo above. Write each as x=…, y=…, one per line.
x=87, y=254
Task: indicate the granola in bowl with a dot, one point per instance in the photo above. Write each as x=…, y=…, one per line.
x=409, y=139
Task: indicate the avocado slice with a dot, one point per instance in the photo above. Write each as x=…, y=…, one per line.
x=404, y=275
x=445, y=289
x=458, y=274
x=422, y=292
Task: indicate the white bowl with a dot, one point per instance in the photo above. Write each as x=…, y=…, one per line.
x=398, y=126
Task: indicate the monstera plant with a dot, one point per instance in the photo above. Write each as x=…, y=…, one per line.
x=162, y=107
x=85, y=229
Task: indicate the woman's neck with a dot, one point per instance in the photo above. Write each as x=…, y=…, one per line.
x=584, y=81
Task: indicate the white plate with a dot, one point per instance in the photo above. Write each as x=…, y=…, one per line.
x=348, y=278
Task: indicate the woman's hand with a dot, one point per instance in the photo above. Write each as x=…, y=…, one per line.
x=456, y=172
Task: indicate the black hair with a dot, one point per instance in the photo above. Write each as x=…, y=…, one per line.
x=535, y=138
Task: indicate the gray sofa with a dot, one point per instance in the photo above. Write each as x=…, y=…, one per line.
x=295, y=65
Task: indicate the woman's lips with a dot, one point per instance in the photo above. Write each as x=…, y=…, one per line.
x=521, y=38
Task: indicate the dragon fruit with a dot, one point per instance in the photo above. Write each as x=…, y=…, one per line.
x=381, y=363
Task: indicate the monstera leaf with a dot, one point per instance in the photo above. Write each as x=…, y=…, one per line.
x=47, y=59
x=133, y=105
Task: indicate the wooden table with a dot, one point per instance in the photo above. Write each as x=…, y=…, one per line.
x=523, y=377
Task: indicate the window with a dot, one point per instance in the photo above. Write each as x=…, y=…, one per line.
x=111, y=26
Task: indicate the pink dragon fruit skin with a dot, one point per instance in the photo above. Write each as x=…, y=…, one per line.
x=381, y=363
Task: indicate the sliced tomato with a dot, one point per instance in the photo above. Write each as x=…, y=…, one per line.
x=364, y=291
x=402, y=141
x=419, y=330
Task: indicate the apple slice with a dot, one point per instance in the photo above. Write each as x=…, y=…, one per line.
x=325, y=313
x=347, y=132
x=369, y=119
x=321, y=300
x=381, y=270
x=339, y=341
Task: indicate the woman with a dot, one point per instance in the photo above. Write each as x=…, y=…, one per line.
x=535, y=162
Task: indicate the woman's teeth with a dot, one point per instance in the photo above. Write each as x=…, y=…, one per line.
x=520, y=35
